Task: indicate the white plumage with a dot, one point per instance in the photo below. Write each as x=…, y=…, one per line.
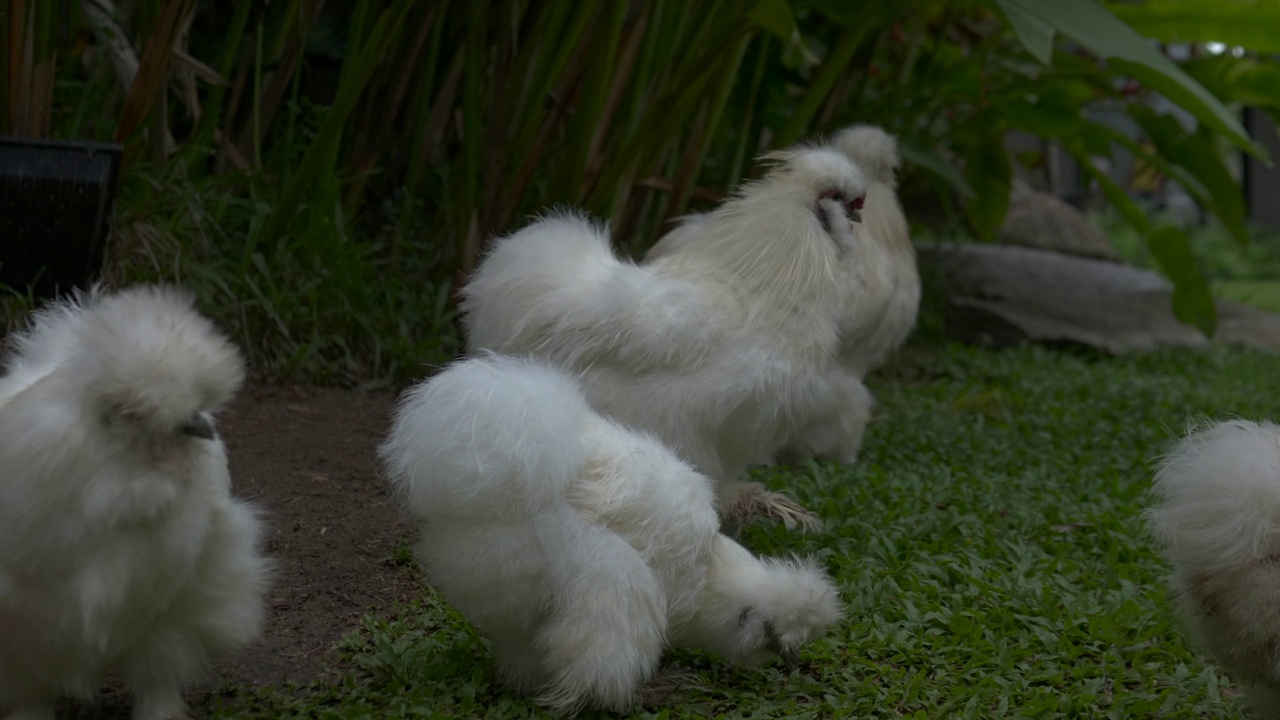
x=121, y=547
x=1217, y=520
x=582, y=549
x=719, y=348
x=883, y=313
x=880, y=302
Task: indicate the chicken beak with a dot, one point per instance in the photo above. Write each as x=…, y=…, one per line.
x=199, y=425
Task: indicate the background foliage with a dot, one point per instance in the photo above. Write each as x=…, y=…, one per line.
x=322, y=173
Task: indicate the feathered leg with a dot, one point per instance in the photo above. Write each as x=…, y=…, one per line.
x=609, y=629
x=746, y=500
x=220, y=610
x=1265, y=701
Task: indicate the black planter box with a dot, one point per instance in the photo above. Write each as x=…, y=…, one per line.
x=55, y=201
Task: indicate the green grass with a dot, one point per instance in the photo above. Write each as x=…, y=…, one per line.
x=988, y=545
x=1263, y=294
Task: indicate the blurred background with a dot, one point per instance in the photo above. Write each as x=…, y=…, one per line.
x=322, y=173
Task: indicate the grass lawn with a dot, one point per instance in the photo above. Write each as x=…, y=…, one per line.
x=988, y=544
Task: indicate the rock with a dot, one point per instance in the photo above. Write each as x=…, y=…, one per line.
x=1040, y=220
x=1002, y=295
x=1246, y=325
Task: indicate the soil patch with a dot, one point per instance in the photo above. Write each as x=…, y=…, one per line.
x=306, y=457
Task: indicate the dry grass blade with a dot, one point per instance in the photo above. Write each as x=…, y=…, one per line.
x=152, y=68
x=19, y=67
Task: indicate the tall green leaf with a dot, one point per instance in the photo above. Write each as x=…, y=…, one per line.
x=1245, y=23
x=989, y=173
x=1192, y=301
x=1036, y=34
x=1197, y=153
x=1103, y=34
x=321, y=155
x=832, y=69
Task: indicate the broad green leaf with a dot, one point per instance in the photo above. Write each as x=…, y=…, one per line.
x=774, y=16
x=1254, y=83
x=1038, y=119
x=989, y=173
x=1247, y=81
x=1099, y=31
x=1197, y=154
x=933, y=161
x=1113, y=192
x=1245, y=23
x=1036, y=34
x=1192, y=301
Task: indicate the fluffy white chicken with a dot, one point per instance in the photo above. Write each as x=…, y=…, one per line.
x=1218, y=524
x=581, y=548
x=881, y=301
x=121, y=547
x=720, y=348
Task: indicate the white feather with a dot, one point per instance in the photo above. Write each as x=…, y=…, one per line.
x=1217, y=521
x=878, y=304
x=581, y=548
x=121, y=547
x=717, y=349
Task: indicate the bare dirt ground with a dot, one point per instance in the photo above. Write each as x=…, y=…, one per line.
x=305, y=456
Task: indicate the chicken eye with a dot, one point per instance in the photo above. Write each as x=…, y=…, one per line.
x=852, y=208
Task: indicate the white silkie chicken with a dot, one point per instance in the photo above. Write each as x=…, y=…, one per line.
x=581, y=548
x=881, y=301
x=121, y=548
x=720, y=349
x=1217, y=521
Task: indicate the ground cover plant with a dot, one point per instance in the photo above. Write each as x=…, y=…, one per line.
x=988, y=545
x=322, y=173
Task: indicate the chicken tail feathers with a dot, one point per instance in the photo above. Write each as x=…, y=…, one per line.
x=491, y=445
x=492, y=436
x=536, y=280
x=1218, y=496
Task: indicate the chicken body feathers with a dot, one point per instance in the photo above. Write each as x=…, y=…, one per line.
x=581, y=548
x=716, y=350
x=878, y=302
x=120, y=545
x=1217, y=521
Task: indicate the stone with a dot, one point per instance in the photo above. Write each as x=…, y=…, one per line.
x=999, y=295
x=1040, y=220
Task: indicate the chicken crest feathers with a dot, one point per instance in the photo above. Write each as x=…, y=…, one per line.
x=873, y=149
x=768, y=237
x=144, y=355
